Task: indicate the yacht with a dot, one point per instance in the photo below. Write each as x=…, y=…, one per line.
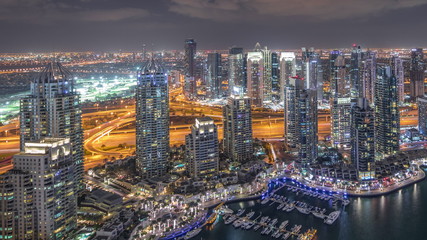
x=257, y=226
x=237, y=223
x=192, y=233
x=272, y=223
x=296, y=229
x=240, y=212
x=249, y=225
x=283, y=224
x=303, y=209
x=332, y=217
x=280, y=206
x=290, y=208
x=265, y=200
x=286, y=236
x=230, y=219
x=251, y=214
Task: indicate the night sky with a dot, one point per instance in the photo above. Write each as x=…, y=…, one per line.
x=111, y=25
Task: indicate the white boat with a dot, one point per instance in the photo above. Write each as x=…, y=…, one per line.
x=318, y=214
x=286, y=236
x=265, y=200
x=303, y=210
x=230, y=219
x=273, y=222
x=249, y=225
x=237, y=223
x=283, y=224
x=296, y=229
x=290, y=208
x=251, y=214
x=279, y=234
x=257, y=227
x=240, y=212
x=332, y=217
x=280, y=206
x=192, y=233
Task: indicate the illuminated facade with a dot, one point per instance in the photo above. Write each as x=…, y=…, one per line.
x=214, y=76
x=355, y=72
x=255, y=74
x=190, y=85
x=368, y=76
x=17, y=218
x=53, y=110
x=287, y=71
x=236, y=71
x=387, y=118
x=340, y=122
x=362, y=138
x=202, y=150
x=399, y=72
x=422, y=115
x=238, y=142
x=152, y=120
x=417, y=69
x=50, y=163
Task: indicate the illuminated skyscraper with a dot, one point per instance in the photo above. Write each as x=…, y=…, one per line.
x=17, y=208
x=152, y=120
x=340, y=122
x=387, y=118
x=238, y=142
x=53, y=110
x=340, y=84
x=301, y=121
x=190, y=85
x=362, y=138
x=397, y=67
x=267, y=74
x=50, y=163
x=202, y=150
x=287, y=71
x=417, y=73
x=236, y=70
x=214, y=76
x=255, y=75
x=355, y=75
x=368, y=77
x=275, y=78
x=422, y=115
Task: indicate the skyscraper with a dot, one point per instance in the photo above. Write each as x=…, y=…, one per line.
x=275, y=78
x=17, y=208
x=190, y=85
x=355, y=68
x=152, y=120
x=53, y=110
x=287, y=71
x=340, y=122
x=214, y=76
x=202, y=151
x=422, y=115
x=255, y=75
x=309, y=68
x=50, y=163
x=368, y=77
x=267, y=74
x=340, y=85
x=397, y=68
x=417, y=70
x=301, y=121
x=362, y=138
x=238, y=142
x=236, y=71
x=387, y=118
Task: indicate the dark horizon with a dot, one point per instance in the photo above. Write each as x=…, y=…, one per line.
x=106, y=25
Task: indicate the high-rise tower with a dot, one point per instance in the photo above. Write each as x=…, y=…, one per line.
x=53, y=110
x=362, y=138
x=287, y=71
x=255, y=75
x=397, y=68
x=190, y=85
x=417, y=70
x=202, y=150
x=214, y=76
x=236, y=71
x=387, y=118
x=152, y=120
x=238, y=142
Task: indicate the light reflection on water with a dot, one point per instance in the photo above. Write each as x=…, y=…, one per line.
x=400, y=215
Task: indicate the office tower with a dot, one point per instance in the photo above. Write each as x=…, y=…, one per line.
x=214, y=76
x=238, y=143
x=309, y=68
x=340, y=86
x=422, y=115
x=417, y=73
x=355, y=67
x=50, y=163
x=236, y=71
x=152, y=120
x=340, y=122
x=202, y=151
x=53, y=110
x=255, y=75
x=399, y=72
x=190, y=86
x=17, y=220
x=275, y=78
x=333, y=55
x=368, y=73
x=301, y=121
x=362, y=138
x=387, y=120
x=287, y=71
x=267, y=74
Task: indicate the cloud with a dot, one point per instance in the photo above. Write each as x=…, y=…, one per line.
x=48, y=11
x=225, y=10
